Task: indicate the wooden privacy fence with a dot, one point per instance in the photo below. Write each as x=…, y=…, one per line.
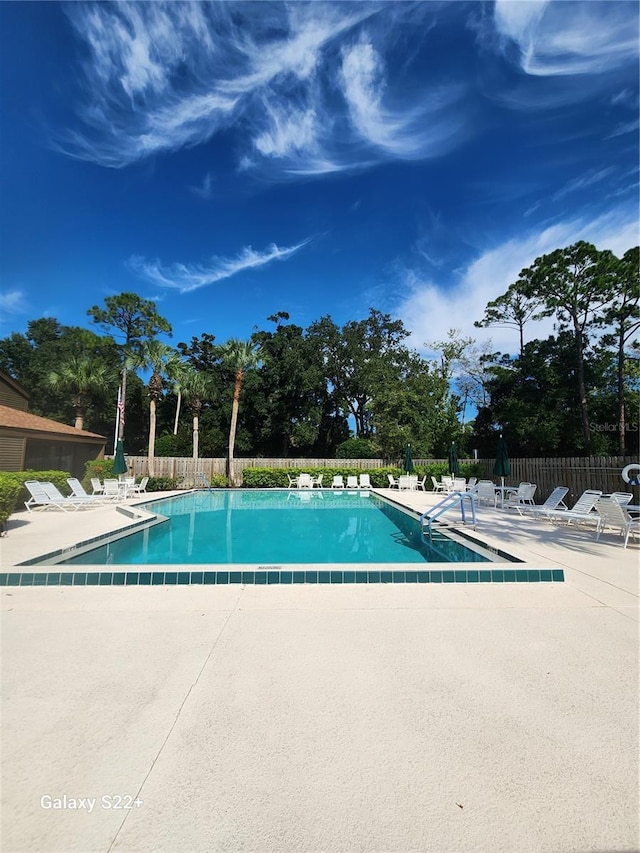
x=577, y=473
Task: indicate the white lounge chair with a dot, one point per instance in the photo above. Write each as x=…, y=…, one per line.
x=56, y=495
x=582, y=511
x=78, y=491
x=554, y=501
x=623, y=498
x=352, y=481
x=41, y=498
x=365, y=481
x=613, y=514
x=96, y=485
x=337, y=482
x=471, y=483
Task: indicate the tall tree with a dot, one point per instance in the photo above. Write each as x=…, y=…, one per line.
x=159, y=359
x=137, y=320
x=195, y=390
x=511, y=310
x=575, y=284
x=622, y=318
x=82, y=377
x=361, y=360
x=239, y=357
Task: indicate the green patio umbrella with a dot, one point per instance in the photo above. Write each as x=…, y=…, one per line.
x=119, y=462
x=408, y=461
x=454, y=465
x=502, y=467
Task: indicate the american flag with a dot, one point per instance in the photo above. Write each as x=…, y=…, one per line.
x=120, y=406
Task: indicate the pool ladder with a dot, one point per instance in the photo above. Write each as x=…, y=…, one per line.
x=452, y=500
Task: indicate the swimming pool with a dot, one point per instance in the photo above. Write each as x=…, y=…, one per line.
x=275, y=528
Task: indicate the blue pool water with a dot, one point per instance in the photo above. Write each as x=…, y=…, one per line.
x=268, y=527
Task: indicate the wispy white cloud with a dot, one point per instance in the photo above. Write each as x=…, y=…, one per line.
x=308, y=83
x=558, y=38
x=188, y=277
x=433, y=307
x=12, y=302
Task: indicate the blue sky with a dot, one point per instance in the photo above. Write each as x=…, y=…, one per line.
x=231, y=160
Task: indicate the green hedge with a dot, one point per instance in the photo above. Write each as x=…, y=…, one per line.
x=10, y=488
x=100, y=468
x=271, y=478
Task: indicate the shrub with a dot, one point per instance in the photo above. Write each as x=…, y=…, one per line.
x=162, y=484
x=10, y=488
x=218, y=481
x=270, y=478
x=100, y=468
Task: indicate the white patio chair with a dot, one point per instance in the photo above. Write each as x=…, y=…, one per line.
x=393, y=483
x=459, y=484
x=317, y=481
x=437, y=487
x=141, y=487
x=614, y=515
x=404, y=482
x=305, y=481
x=420, y=484
x=522, y=495
x=485, y=492
x=447, y=483
x=293, y=481
x=112, y=488
x=365, y=481
x=337, y=482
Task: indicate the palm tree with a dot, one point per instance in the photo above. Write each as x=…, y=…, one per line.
x=160, y=359
x=81, y=376
x=195, y=390
x=239, y=357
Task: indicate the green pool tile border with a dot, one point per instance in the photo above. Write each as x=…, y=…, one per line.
x=282, y=577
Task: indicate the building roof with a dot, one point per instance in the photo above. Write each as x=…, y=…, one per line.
x=13, y=383
x=16, y=419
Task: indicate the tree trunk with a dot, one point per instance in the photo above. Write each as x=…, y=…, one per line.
x=178, y=403
x=124, y=396
x=152, y=436
x=621, y=414
x=195, y=443
x=79, y=424
x=584, y=406
x=232, y=429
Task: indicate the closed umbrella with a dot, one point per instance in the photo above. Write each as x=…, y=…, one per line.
x=408, y=461
x=119, y=462
x=502, y=467
x=454, y=465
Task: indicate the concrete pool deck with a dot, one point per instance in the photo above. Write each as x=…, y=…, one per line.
x=445, y=718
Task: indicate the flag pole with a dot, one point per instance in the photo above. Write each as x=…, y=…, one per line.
x=117, y=429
